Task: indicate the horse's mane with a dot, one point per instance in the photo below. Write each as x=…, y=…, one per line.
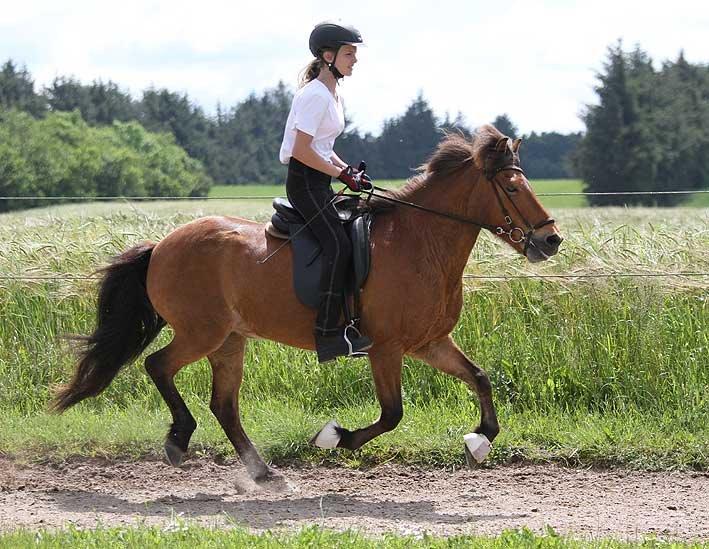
x=455, y=152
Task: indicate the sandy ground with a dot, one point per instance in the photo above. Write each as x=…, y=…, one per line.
x=390, y=498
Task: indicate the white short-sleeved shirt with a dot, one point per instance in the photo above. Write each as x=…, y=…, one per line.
x=314, y=111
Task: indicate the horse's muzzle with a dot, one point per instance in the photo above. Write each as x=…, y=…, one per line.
x=543, y=246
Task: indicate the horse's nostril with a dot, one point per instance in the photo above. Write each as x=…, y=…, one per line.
x=554, y=240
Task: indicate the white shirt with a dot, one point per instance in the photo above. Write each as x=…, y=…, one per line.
x=314, y=111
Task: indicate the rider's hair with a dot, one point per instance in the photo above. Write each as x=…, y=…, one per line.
x=312, y=70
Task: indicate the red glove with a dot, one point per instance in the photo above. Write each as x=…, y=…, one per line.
x=351, y=178
x=355, y=180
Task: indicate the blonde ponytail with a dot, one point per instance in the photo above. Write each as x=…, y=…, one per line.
x=310, y=72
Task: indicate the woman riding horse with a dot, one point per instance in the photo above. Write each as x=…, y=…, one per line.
x=206, y=280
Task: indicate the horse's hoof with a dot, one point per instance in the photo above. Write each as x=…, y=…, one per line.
x=173, y=453
x=328, y=437
x=477, y=447
x=274, y=482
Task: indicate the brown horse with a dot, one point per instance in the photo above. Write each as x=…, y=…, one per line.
x=206, y=281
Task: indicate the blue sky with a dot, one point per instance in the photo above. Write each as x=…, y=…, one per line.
x=535, y=61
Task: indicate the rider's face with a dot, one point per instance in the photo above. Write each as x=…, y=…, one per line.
x=346, y=59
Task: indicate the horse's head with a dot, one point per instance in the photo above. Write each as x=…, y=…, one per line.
x=512, y=208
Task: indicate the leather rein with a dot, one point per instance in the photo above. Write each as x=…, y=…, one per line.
x=515, y=234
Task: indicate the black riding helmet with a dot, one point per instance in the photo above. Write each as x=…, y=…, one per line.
x=330, y=36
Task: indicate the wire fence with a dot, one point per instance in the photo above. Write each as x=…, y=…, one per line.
x=466, y=276
x=270, y=197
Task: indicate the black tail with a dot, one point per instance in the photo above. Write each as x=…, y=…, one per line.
x=126, y=325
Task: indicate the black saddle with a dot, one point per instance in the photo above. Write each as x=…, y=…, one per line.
x=307, y=260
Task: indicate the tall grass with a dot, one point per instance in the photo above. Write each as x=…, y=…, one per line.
x=626, y=348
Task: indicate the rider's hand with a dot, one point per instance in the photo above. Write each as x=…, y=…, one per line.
x=352, y=178
x=365, y=181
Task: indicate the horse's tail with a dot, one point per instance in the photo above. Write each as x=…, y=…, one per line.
x=126, y=324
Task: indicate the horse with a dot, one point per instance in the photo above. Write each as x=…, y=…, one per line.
x=207, y=280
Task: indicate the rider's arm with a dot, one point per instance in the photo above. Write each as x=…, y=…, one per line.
x=304, y=152
x=337, y=161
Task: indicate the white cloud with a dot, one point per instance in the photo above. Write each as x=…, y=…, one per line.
x=533, y=60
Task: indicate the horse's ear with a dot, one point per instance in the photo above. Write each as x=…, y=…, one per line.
x=515, y=145
x=502, y=144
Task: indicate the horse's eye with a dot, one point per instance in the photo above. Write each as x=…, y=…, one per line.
x=511, y=189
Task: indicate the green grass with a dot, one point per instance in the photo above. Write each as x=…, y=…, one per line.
x=584, y=372
x=182, y=535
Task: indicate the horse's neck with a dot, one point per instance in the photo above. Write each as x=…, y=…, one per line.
x=443, y=243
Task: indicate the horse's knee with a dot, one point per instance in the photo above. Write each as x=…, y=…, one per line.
x=482, y=381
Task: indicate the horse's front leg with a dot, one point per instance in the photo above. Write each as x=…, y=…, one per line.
x=386, y=371
x=443, y=354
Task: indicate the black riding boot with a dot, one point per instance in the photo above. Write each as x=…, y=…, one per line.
x=348, y=342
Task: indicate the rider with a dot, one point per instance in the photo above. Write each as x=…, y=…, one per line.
x=316, y=118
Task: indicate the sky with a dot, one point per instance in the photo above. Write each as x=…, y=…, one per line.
x=537, y=61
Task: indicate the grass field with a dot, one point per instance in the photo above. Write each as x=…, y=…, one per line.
x=191, y=537
x=599, y=371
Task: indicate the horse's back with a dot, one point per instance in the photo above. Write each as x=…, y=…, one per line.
x=211, y=267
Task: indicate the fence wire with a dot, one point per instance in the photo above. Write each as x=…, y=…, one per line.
x=269, y=197
x=467, y=276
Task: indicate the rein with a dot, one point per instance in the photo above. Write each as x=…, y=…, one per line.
x=515, y=234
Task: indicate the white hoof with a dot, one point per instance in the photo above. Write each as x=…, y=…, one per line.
x=478, y=445
x=328, y=437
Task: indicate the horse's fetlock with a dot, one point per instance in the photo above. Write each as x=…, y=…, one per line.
x=490, y=430
x=391, y=418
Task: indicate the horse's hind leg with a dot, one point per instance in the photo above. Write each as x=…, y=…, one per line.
x=386, y=372
x=444, y=355
x=227, y=372
x=162, y=367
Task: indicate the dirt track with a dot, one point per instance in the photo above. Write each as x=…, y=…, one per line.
x=387, y=498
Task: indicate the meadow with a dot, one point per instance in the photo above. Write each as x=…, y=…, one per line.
x=584, y=370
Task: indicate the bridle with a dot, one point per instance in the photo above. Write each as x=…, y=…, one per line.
x=491, y=174
x=515, y=234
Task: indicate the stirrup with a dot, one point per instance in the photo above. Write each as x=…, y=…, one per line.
x=358, y=334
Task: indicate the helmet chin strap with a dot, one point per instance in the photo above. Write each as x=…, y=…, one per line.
x=333, y=69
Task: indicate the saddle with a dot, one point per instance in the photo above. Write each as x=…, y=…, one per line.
x=307, y=253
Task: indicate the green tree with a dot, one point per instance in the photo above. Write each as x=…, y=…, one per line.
x=17, y=90
x=61, y=155
x=407, y=141
x=505, y=125
x=248, y=139
x=547, y=155
x=648, y=132
x=166, y=111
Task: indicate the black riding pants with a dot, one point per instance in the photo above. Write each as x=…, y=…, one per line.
x=308, y=191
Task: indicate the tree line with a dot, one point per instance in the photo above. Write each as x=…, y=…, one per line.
x=61, y=155
x=240, y=144
x=646, y=132
x=649, y=130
